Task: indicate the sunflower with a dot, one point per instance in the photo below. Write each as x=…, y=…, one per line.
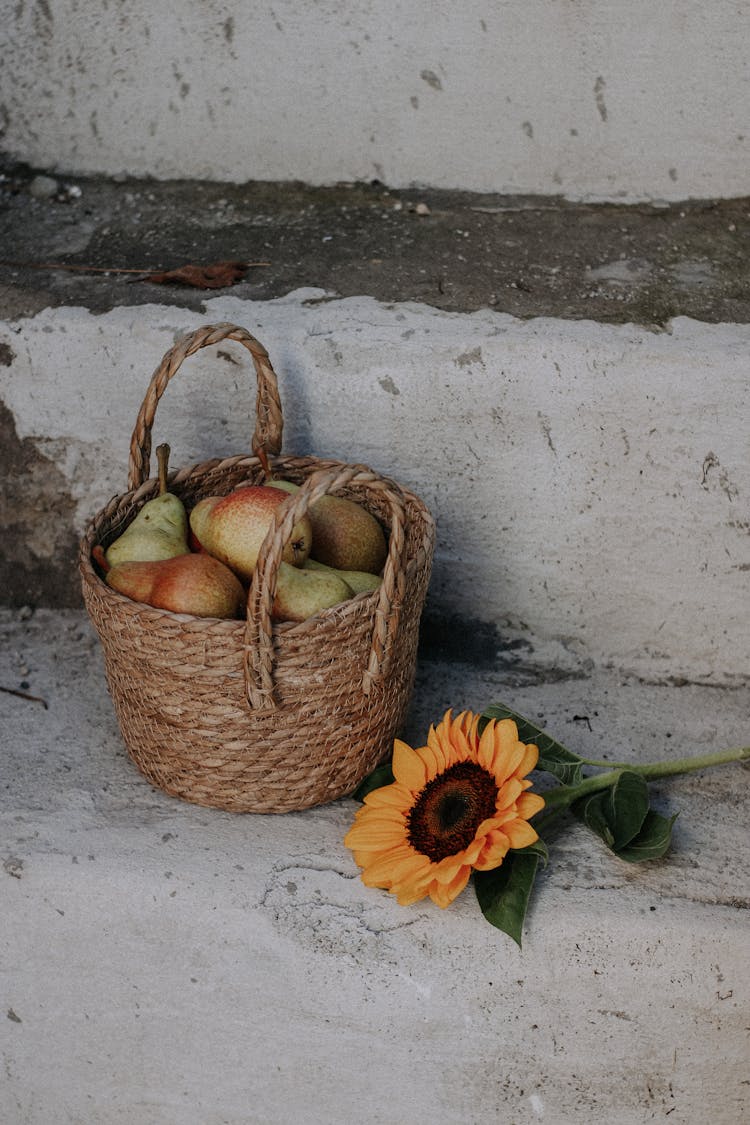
x=458, y=803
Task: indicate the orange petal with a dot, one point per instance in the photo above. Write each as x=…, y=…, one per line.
x=446, y=870
x=509, y=793
x=432, y=761
x=408, y=767
x=389, y=796
x=486, y=750
x=365, y=856
x=435, y=744
x=400, y=866
x=459, y=736
x=520, y=833
x=528, y=804
x=493, y=853
x=380, y=837
x=442, y=735
x=409, y=895
x=529, y=760
x=443, y=895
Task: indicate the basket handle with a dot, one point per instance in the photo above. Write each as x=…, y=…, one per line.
x=259, y=648
x=269, y=421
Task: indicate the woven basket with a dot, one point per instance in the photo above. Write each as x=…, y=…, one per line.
x=257, y=716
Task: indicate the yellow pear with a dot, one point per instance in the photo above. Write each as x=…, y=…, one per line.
x=197, y=584
x=159, y=531
x=232, y=528
x=344, y=534
x=300, y=593
x=358, y=580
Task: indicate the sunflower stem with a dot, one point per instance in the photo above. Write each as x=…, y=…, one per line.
x=564, y=796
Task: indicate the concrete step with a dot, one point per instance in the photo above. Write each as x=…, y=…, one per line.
x=165, y=964
x=541, y=98
x=566, y=387
x=589, y=481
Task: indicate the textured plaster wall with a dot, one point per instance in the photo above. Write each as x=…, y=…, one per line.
x=590, y=482
x=584, y=98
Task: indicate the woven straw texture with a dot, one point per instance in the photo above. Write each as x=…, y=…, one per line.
x=254, y=715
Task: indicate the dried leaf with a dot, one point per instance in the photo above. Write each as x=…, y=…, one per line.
x=216, y=276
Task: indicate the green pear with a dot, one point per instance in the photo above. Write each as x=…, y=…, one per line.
x=284, y=485
x=344, y=534
x=301, y=593
x=232, y=528
x=197, y=584
x=159, y=531
x=358, y=580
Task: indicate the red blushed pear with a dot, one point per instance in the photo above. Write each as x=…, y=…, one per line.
x=197, y=584
x=232, y=528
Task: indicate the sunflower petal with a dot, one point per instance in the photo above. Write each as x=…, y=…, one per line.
x=369, y=838
x=528, y=804
x=529, y=760
x=460, y=740
x=389, y=796
x=402, y=866
x=435, y=744
x=520, y=833
x=446, y=870
x=408, y=767
x=443, y=895
x=508, y=794
x=486, y=749
x=432, y=761
x=408, y=896
x=495, y=849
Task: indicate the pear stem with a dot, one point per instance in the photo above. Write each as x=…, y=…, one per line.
x=162, y=456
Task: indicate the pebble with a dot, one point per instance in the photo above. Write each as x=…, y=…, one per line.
x=43, y=187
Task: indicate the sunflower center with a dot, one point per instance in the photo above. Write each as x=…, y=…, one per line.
x=450, y=808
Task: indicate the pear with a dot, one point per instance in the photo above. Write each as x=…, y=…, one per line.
x=358, y=580
x=301, y=593
x=159, y=531
x=284, y=485
x=233, y=527
x=345, y=536
x=197, y=584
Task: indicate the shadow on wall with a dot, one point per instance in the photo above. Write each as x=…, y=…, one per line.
x=39, y=544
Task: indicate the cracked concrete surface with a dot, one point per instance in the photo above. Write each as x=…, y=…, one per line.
x=244, y=972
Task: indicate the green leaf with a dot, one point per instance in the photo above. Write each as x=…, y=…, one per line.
x=504, y=892
x=617, y=815
x=592, y=811
x=380, y=776
x=626, y=808
x=555, y=758
x=653, y=840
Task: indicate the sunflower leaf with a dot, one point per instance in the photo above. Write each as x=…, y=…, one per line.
x=555, y=758
x=653, y=840
x=627, y=807
x=591, y=811
x=380, y=776
x=503, y=893
x=618, y=814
